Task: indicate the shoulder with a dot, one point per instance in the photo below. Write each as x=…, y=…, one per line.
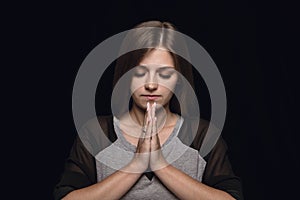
x=97, y=133
x=193, y=131
x=200, y=134
x=105, y=118
x=104, y=122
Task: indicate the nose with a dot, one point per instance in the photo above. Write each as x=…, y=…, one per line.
x=151, y=86
x=151, y=82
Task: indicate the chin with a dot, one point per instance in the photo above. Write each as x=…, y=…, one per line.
x=140, y=105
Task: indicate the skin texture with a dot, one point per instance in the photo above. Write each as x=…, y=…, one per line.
x=155, y=76
x=147, y=114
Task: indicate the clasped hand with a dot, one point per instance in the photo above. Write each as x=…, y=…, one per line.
x=148, y=153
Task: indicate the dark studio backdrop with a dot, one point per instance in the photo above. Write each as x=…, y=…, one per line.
x=253, y=44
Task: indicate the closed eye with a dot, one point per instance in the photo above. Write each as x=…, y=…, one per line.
x=166, y=72
x=140, y=71
x=139, y=74
x=165, y=76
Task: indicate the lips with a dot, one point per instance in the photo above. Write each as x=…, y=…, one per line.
x=151, y=97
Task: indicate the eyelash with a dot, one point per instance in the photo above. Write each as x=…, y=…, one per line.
x=165, y=76
x=161, y=75
x=139, y=74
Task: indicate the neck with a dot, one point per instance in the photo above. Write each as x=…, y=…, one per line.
x=163, y=114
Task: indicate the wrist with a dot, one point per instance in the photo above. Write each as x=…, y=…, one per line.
x=137, y=166
x=159, y=165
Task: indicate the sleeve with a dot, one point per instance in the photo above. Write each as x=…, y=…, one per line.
x=79, y=171
x=218, y=172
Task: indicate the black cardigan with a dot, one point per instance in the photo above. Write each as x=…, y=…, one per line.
x=80, y=166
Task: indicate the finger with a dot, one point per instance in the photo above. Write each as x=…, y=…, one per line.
x=142, y=135
x=149, y=129
x=154, y=127
x=145, y=125
x=143, y=145
x=153, y=109
x=154, y=120
x=155, y=143
x=140, y=144
x=148, y=112
x=146, y=115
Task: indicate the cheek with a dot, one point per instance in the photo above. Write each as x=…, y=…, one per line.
x=169, y=87
x=170, y=84
x=167, y=92
x=136, y=85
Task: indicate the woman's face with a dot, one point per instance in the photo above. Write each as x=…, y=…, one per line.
x=154, y=79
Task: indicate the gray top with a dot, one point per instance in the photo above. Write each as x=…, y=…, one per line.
x=121, y=152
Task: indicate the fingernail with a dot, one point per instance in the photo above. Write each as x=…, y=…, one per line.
x=148, y=106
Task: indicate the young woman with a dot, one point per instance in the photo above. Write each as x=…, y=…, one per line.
x=149, y=157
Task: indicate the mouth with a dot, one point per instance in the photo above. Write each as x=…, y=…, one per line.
x=151, y=97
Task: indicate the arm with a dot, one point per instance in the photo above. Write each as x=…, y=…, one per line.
x=181, y=184
x=119, y=182
x=185, y=187
x=79, y=177
x=219, y=173
x=79, y=180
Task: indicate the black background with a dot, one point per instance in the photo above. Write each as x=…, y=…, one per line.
x=253, y=43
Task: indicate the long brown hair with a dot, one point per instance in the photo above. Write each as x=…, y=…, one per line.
x=165, y=38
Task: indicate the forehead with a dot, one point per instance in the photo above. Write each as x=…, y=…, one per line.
x=158, y=57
